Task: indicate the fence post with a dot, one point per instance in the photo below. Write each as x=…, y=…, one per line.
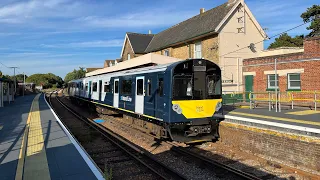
x=269, y=100
x=315, y=100
x=250, y=97
x=291, y=100
x=279, y=101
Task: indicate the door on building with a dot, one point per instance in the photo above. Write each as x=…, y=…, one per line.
x=159, y=98
x=139, y=104
x=116, y=93
x=100, y=89
x=248, y=86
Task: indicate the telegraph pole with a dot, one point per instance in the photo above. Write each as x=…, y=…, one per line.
x=24, y=83
x=15, y=79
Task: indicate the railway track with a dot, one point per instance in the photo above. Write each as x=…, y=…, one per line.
x=115, y=156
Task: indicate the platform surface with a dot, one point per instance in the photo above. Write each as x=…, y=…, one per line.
x=302, y=119
x=33, y=145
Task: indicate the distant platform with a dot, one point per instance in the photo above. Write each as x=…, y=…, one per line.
x=34, y=144
x=300, y=121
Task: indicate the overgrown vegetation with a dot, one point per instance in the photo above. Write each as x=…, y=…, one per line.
x=46, y=80
x=75, y=74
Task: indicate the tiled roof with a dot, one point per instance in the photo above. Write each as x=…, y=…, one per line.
x=139, y=42
x=196, y=26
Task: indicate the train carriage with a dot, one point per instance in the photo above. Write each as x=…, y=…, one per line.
x=178, y=99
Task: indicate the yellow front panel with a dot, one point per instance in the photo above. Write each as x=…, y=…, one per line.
x=197, y=108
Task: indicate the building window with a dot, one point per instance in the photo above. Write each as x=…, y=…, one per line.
x=128, y=57
x=166, y=52
x=149, y=88
x=272, y=81
x=126, y=87
x=94, y=87
x=294, y=81
x=197, y=50
x=106, y=87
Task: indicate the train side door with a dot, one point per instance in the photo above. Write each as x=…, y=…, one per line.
x=139, y=104
x=100, y=89
x=159, y=98
x=116, y=93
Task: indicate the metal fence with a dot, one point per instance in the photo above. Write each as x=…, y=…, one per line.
x=274, y=100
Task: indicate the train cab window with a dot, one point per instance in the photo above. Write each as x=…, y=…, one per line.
x=126, y=87
x=86, y=87
x=116, y=87
x=140, y=87
x=106, y=87
x=213, y=85
x=149, y=88
x=182, y=87
x=94, y=87
x=160, y=87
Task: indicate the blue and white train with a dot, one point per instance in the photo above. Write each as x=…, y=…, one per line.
x=179, y=100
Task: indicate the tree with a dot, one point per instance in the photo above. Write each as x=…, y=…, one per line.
x=75, y=74
x=19, y=77
x=46, y=80
x=312, y=15
x=1, y=74
x=284, y=40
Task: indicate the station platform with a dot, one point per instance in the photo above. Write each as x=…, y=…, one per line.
x=300, y=121
x=34, y=144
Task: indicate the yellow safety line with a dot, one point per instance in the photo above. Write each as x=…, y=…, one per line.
x=19, y=171
x=305, y=112
x=277, y=118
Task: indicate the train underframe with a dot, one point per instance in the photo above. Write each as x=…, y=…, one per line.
x=187, y=132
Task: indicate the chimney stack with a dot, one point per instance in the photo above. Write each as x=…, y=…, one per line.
x=149, y=31
x=201, y=10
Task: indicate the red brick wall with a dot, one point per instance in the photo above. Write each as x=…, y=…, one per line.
x=309, y=60
x=312, y=45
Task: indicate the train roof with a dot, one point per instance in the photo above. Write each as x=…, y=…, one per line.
x=143, y=60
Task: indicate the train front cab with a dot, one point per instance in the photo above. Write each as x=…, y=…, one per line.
x=196, y=97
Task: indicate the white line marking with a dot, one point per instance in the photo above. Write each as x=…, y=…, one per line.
x=82, y=152
x=287, y=126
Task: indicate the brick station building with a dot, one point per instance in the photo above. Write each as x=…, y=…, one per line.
x=297, y=72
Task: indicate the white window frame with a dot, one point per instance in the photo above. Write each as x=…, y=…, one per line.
x=166, y=52
x=128, y=56
x=197, y=51
x=289, y=81
x=276, y=84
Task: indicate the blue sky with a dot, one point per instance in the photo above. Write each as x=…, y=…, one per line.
x=59, y=35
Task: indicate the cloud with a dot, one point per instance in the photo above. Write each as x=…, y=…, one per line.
x=87, y=44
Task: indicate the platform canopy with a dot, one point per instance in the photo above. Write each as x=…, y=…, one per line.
x=144, y=60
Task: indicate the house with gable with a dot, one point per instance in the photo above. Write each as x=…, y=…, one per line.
x=226, y=35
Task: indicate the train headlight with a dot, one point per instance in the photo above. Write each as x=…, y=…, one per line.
x=218, y=106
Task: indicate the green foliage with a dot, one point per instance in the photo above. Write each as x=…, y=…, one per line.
x=19, y=77
x=107, y=173
x=312, y=15
x=75, y=74
x=284, y=40
x=1, y=74
x=46, y=80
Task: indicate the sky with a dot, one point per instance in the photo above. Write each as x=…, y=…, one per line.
x=57, y=36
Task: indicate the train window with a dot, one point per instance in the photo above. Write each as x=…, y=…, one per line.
x=140, y=87
x=213, y=85
x=160, y=87
x=94, y=87
x=106, y=87
x=149, y=88
x=182, y=87
x=86, y=87
x=116, y=87
x=126, y=87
